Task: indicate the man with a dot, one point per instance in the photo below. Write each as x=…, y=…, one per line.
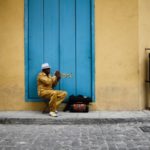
x=45, y=89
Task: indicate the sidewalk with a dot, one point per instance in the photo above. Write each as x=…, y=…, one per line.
x=92, y=117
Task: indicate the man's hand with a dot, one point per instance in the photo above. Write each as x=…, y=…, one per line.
x=57, y=74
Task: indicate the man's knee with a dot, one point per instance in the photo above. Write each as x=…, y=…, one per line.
x=54, y=93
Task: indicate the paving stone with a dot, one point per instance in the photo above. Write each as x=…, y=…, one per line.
x=85, y=148
x=104, y=147
x=10, y=148
x=112, y=146
x=94, y=147
x=144, y=148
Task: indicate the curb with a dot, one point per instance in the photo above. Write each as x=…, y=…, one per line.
x=69, y=121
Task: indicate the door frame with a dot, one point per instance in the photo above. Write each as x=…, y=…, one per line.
x=26, y=51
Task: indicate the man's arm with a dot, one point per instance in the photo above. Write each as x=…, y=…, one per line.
x=44, y=79
x=56, y=78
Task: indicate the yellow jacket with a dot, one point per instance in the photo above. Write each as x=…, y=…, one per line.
x=45, y=82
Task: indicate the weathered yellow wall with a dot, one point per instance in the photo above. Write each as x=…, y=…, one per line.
x=12, y=57
x=117, y=73
x=144, y=42
x=121, y=33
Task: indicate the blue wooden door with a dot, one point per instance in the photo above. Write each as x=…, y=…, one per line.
x=60, y=33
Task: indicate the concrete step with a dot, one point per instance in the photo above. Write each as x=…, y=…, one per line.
x=67, y=118
x=85, y=121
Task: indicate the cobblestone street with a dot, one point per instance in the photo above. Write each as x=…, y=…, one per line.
x=74, y=137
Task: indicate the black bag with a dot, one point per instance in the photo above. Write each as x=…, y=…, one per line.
x=78, y=103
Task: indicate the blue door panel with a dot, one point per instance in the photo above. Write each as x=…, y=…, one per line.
x=51, y=34
x=83, y=47
x=59, y=32
x=35, y=43
x=67, y=44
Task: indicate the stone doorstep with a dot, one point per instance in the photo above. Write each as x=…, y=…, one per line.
x=72, y=121
x=67, y=118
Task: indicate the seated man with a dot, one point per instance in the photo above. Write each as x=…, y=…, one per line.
x=45, y=88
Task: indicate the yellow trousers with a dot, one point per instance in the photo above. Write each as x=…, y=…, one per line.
x=55, y=97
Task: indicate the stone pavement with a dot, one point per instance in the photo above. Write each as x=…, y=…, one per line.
x=124, y=136
x=92, y=117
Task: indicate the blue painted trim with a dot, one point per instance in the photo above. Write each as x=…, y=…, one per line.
x=26, y=50
x=29, y=99
x=93, y=48
x=26, y=47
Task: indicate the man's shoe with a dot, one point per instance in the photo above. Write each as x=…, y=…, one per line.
x=53, y=114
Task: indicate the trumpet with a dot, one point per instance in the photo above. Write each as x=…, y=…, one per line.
x=66, y=75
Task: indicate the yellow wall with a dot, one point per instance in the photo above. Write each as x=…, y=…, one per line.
x=12, y=57
x=121, y=34
x=117, y=54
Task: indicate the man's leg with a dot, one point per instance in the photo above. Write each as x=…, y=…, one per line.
x=61, y=95
x=56, y=97
x=52, y=102
x=46, y=109
x=52, y=96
